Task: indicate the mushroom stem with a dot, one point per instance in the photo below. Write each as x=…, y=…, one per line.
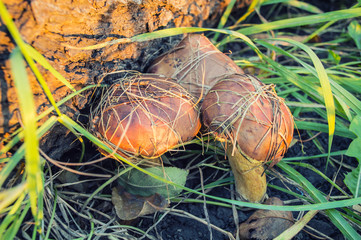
x=248, y=174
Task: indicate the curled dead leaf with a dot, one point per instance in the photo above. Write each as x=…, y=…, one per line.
x=129, y=206
x=266, y=224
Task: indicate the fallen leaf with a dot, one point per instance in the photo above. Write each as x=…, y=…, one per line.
x=129, y=206
x=139, y=183
x=266, y=224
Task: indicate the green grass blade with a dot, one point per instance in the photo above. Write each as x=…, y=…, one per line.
x=295, y=79
x=224, y=18
x=12, y=214
x=40, y=213
x=52, y=216
x=14, y=228
x=8, y=196
x=352, y=216
x=7, y=20
x=90, y=235
x=271, y=2
x=100, y=188
x=303, y=6
x=320, y=127
x=303, y=104
x=289, y=192
x=303, y=158
x=28, y=115
x=9, y=167
x=43, y=62
x=344, y=107
x=320, y=111
x=351, y=100
x=250, y=10
x=171, y=32
x=302, y=21
x=65, y=99
x=19, y=154
x=324, y=27
x=309, y=166
x=333, y=214
x=354, y=30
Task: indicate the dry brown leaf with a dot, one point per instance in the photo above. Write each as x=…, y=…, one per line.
x=128, y=206
x=266, y=224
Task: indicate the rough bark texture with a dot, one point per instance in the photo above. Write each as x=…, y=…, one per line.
x=49, y=24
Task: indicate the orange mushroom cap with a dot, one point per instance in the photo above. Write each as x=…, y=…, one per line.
x=147, y=115
x=243, y=110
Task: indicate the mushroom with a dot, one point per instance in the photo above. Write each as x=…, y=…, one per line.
x=196, y=64
x=146, y=115
x=255, y=125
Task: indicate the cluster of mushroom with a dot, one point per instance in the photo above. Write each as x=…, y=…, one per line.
x=254, y=125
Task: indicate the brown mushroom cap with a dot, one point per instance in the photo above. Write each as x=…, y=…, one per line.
x=147, y=115
x=242, y=109
x=196, y=64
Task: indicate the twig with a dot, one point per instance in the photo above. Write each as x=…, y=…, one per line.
x=205, y=206
x=69, y=169
x=324, y=236
x=235, y=214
